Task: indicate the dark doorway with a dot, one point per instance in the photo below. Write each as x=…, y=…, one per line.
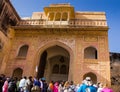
x=92, y=76
x=17, y=73
x=42, y=65
x=54, y=64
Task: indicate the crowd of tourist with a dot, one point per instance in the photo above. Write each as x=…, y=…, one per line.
x=31, y=84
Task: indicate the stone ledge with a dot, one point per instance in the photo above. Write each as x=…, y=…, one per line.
x=20, y=58
x=92, y=61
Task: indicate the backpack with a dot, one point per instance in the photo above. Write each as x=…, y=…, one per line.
x=11, y=86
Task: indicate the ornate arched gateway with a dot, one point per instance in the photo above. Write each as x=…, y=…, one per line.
x=54, y=62
x=57, y=39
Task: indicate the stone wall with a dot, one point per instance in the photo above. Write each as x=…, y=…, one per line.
x=74, y=42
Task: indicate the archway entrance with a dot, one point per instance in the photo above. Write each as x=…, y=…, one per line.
x=92, y=76
x=17, y=73
x=54, y=64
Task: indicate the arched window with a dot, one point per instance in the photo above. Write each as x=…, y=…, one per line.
x=17, y=73
x=55, y=69
x=23, y=51
x=57, y=16
x=92, y=76
x=63, y=69
x=51, y=16
x=64, y=16
x=90, y=53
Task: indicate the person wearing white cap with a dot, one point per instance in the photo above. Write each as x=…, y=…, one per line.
x=84, y=85
x=87, y=86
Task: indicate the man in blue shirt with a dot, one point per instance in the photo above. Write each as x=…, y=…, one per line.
x=87, y=86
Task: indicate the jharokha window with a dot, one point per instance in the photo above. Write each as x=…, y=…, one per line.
x=23, y=51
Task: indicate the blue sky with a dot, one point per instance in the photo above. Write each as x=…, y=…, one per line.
x=25, y=8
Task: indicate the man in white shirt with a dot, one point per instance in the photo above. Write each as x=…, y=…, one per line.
x=23, y=84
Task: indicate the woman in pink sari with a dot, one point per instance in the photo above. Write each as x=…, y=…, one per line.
x=5, y=86
x=55, y=87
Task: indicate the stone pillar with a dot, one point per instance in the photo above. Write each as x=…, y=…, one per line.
x=68, y=16
x=54, y=16
x=47, y=18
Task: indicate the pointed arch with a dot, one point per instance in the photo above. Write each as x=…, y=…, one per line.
x=90, y=53
x=58, y=16
x=92, y=76
x=51, y=16
x=23, y=51
x=51, y=44
x=17, y=72
x=65, y=16
x=59, y=44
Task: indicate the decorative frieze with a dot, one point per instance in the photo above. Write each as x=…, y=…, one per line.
x=59, y=31
x=66, y=40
